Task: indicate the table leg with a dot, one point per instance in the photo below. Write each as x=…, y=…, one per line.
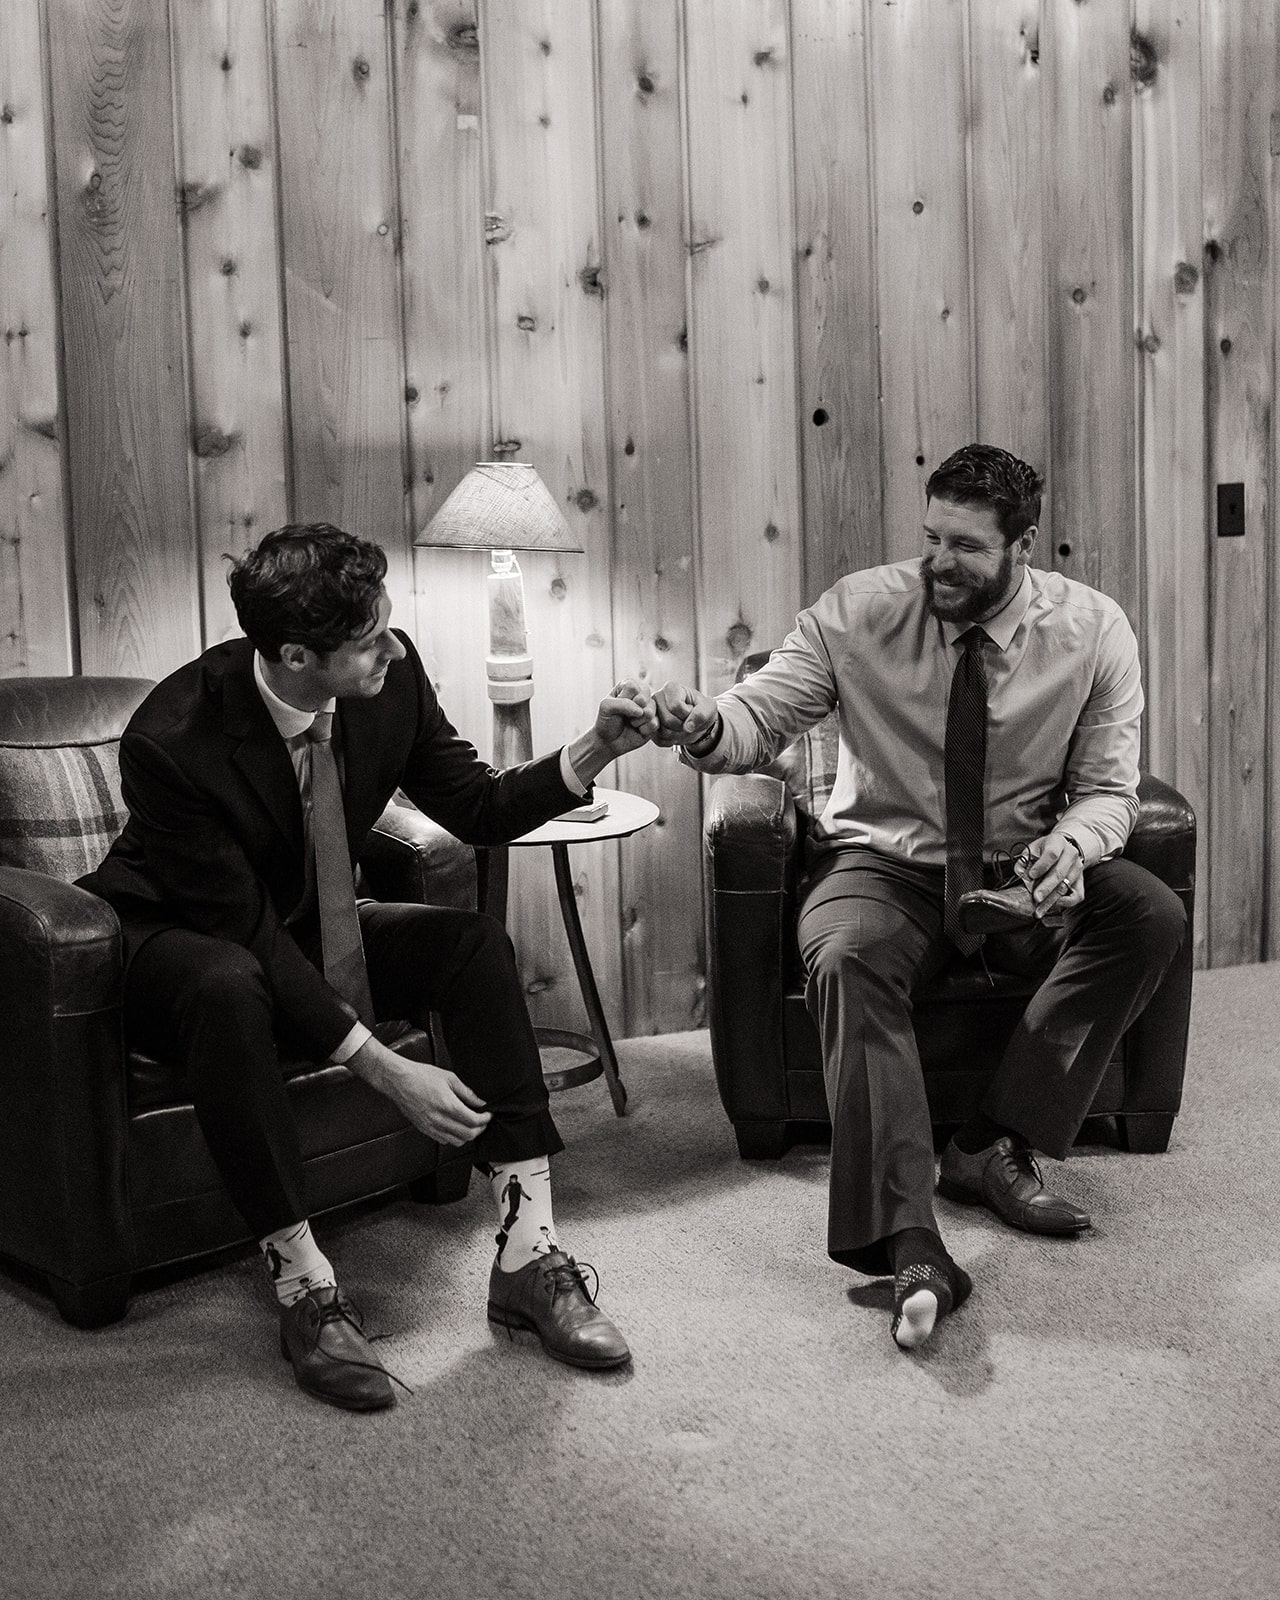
x=586, y=978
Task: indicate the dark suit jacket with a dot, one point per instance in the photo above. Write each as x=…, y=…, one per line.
x=214, y=840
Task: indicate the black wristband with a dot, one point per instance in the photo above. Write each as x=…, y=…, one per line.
x=710, y=739
x=1074, y=843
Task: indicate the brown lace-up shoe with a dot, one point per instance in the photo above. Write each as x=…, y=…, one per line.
x=549, y=1297
x=993, y=910
x=322, y=1334
x=1005, y=1178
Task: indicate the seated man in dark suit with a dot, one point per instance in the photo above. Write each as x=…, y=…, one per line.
x=986, y=710
x=252, y=775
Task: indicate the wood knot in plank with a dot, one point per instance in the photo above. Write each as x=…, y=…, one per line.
x=645, y=83
x=249, y=156
x=360, y=69
x=1185, y=278
x=763, y=57
x=43, y=427
x=210, y=442
x=772, y=533
x=464, y=37
x=559, y=588
x=738, y=638
x=194, y=194
x=697, y=246
x=1109, y=95
x=6, y=115
x=585, y=500
x=506, y=447
x=591, y=280
x=526, y=323
x=496, y=228
x=1144, y=64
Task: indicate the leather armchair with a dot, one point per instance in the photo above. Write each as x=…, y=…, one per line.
x=103, y=1168
x=764, y=1045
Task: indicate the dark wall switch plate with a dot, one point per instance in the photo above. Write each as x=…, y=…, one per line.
x=1231, y=511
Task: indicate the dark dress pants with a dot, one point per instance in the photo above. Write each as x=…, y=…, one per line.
x=870, y=933
x=206, y=1005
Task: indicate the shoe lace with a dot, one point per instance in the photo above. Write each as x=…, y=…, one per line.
x=567, y=1275
x=1006, y=863
x=1022, y=1158
x=340, y=1309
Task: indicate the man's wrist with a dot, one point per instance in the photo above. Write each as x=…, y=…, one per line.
x=706, y=742
x=1074, y=843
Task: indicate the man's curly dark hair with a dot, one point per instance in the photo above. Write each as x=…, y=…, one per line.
x=985, y=475
x=307, y=583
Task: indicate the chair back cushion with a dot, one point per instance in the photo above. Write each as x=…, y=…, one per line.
x=60, y=801
x=808, y=765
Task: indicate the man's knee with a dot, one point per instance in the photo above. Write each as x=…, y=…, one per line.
x=854, y=959
x=1147, y=908
x=229, y=978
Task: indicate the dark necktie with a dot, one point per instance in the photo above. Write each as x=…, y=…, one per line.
x=964, y=775
x=341, y=948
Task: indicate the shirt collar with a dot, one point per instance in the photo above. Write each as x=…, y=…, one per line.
x=289, y=721
x=1001, y=628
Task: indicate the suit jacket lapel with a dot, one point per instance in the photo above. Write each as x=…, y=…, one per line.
x=259, y=752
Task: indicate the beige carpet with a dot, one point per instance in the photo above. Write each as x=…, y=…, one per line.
x=1100, y=1420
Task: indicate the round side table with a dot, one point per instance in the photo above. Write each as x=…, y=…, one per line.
x=627, y=814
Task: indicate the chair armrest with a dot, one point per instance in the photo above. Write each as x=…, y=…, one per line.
x=750, y=846
x=750, y=834
x=1163, y=839
x=407, y=857
x=63, y=1137
x=1164, y=842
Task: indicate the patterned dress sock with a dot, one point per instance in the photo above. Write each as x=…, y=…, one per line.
x=296, y=1262
x=522, y=1193
x=927, y=1285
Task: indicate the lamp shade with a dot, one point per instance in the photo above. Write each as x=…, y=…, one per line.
x=500, y=505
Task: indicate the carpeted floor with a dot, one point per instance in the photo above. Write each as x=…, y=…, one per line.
x=1101, y=1420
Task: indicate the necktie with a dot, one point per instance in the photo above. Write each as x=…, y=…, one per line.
x=341, y=949
x=964, y=775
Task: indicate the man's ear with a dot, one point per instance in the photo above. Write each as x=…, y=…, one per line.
x=294, y=657
x=1026, y=541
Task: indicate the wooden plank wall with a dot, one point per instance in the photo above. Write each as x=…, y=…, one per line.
x=734, y=275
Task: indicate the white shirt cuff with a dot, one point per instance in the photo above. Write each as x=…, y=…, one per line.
x=358, y=1036
x=572, y=781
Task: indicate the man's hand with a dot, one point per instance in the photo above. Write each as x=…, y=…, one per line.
x=435, y=1101
x=1052, y=869
x=685, y=715
x=627, y=718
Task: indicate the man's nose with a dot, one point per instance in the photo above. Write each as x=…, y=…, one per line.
x=395, y=650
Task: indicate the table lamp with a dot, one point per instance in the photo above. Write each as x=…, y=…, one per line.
x=503, y=506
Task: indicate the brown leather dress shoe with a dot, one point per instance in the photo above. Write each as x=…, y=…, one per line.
x=1005, y=1178
x=322, y=1335
x=549, y=1297
x=993, y=910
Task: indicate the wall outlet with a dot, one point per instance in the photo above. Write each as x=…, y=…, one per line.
x=1231, y=511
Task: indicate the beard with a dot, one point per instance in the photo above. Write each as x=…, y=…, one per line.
x=969, y=600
